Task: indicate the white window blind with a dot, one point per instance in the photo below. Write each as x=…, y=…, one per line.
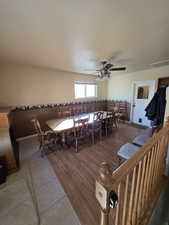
x=85, y=90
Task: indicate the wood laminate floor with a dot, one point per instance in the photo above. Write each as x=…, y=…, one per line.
x=77, y=172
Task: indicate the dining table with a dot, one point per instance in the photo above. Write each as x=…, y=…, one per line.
x=62, y=125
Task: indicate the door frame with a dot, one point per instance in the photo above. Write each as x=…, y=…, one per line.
x=134, y=83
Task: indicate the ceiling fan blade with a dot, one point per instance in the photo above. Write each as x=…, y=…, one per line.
x=118, y=69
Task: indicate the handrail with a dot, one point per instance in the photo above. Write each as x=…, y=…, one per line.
x=135, y=182
x=132, y=162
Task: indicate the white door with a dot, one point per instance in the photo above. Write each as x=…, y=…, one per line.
x=143, y=93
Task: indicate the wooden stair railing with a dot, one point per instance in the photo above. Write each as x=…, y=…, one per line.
x=138, y=183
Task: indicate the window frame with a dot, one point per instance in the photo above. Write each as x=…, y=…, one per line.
x=85, y=88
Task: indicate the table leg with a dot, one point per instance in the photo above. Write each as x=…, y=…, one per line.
x=64, y=143
x=63, y=138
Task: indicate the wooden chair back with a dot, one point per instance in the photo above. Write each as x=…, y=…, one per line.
x=109, y=114
x=98, y=116
x=123, y=107
x=80, y=127
x=97, y=121
x=66, y=114
x=109, y=120
x=116, y=109
x=37, y=127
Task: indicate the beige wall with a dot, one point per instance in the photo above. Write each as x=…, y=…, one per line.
x=25, y=85
x=120, y=86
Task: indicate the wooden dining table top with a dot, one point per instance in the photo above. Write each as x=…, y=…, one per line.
x=63, y=124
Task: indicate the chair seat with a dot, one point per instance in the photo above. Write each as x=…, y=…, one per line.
x=141, y=140
x=118, y=114
x=127, y=150
x=48, y=141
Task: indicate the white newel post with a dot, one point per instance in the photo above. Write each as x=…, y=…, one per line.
x=103, y=188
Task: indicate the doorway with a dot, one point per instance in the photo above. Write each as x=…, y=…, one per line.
x=164, y=81
x=142, y=94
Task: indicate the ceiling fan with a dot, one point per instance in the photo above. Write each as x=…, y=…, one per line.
x=105, y=71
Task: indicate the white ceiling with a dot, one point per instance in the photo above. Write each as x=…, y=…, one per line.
x=72, y=35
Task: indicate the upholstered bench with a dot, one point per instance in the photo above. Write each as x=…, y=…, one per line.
x=140, y=140
x=127, y=150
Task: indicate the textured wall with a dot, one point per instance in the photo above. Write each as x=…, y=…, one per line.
x=120, y=86
x=26, y=85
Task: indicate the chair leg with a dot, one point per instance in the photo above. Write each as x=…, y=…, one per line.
x=93, y=138
x=42, y=152
x=115, y=122
x=40, y=145
x=106, y=131
x=119, y=160
x=100, y=135
x=76, y=144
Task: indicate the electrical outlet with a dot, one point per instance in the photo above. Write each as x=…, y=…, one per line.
x=140, y=120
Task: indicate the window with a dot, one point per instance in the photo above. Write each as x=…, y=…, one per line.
x=85, y=90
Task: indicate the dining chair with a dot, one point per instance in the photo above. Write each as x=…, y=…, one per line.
x=66, y=114
x=121, y=112
x=80, y=131
x=109, y=122
x=116, y=116
x=98, y=116
x=46, y=139
x=77, y=111
x=96, y=126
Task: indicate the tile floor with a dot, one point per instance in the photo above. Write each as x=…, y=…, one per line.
x=34, y=195
x=160, y=214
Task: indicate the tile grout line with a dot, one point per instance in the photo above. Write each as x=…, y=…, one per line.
x=57, y=200
x=31, y=188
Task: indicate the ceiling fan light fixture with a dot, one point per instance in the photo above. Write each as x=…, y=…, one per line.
x=103, y=76
x=106, y=78
x=106, y=69
x=99, y=79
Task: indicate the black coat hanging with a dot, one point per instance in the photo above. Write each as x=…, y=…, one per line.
x=155, y=110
